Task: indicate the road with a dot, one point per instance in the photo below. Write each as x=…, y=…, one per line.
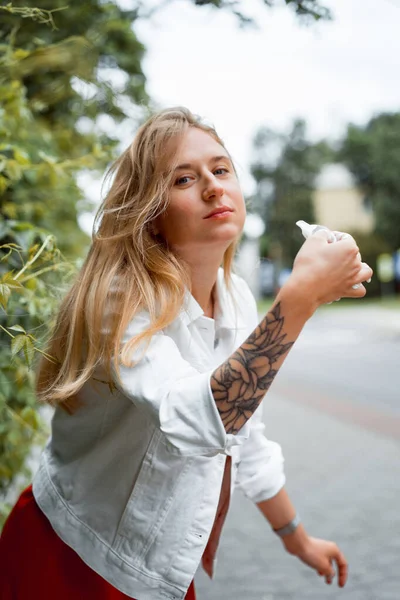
x=352, y=355
x=335, y=408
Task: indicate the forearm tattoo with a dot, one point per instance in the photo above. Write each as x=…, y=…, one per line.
x=240, y=383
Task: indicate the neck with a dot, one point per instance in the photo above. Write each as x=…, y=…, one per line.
x=203, y=277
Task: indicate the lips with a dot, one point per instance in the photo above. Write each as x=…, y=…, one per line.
x=218, y=211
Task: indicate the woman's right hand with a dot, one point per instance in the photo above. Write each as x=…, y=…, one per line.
x=324, y=272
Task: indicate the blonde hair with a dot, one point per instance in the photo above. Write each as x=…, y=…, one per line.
x=128, y=268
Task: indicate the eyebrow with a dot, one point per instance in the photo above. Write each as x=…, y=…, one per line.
x=214, y=159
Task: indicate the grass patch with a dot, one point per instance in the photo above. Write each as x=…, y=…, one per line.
x=387, y=302
x=264, y=305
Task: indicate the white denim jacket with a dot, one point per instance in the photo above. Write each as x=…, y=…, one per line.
x=131, y=481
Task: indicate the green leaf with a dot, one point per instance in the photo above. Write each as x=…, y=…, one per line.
x=5, y=472
x=5, y=293
x=17, y=344
x=5, y=384
x=13, y=169
x=50, y=160
x=10, y=210
x=14, y=437
x=21, y=157
x=10, y=281
x=31, y=176
x=31, y=284
x=17, y=328
x=29, y=351
x=31, y=417
x=3, y=184
x=19, y=54
x=23, y=226
x=21, y=376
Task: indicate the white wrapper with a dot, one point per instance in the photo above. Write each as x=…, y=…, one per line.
x=334, y=236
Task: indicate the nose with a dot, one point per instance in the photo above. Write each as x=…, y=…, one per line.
x=213, y=189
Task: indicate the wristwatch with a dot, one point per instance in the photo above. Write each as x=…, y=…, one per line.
x=289, y=528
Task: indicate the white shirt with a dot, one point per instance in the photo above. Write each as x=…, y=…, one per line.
x=131, y=480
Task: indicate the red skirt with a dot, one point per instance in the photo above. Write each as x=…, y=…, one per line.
x=36, y=563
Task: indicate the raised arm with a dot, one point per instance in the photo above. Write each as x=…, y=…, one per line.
x=322, y=272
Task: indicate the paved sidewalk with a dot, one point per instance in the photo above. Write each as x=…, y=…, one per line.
x=345, y=483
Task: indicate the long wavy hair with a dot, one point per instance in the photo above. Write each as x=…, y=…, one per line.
x=127, y=268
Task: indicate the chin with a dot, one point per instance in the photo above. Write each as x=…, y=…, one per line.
x=226, y=238
x=230, y=232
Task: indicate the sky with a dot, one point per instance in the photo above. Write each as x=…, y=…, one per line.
x=330, y=73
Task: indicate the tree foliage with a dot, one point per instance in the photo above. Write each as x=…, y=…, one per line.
x=372, y=153
x=306, y=10
x=56, y=77
x=284, y=168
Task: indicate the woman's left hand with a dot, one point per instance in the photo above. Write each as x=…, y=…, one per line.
x=320, y=555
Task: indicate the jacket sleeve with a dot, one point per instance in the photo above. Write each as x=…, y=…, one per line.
x=176, y=396
x=260, y=474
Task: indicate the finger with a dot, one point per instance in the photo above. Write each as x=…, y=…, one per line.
x=341, y=235
x=338, y=235
x=329, y=578
x=364, y=274
x=322, y=234
x=356, y=291
x=329, y=574
x=349, y=241
x=343, y=569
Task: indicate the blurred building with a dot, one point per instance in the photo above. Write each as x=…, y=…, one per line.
x=339, y=204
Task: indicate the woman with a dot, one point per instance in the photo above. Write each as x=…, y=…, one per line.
x=161, y=367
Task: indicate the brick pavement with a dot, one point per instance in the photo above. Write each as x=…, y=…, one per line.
x=345, y=483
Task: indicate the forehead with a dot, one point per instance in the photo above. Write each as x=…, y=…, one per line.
x=198, y=145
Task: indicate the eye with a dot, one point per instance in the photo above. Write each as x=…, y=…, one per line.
x=182, y=180
x=221, y=171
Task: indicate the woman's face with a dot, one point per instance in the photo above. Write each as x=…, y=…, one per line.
x=206, y=207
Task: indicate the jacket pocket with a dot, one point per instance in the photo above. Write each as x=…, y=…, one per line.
x=126, y=522
x=157, y=485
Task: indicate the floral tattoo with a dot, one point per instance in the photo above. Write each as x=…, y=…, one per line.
x=240, y=383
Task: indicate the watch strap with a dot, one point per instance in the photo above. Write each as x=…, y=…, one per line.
x=289, y=528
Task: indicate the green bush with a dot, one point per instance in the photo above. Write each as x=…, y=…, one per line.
x=30, y=272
